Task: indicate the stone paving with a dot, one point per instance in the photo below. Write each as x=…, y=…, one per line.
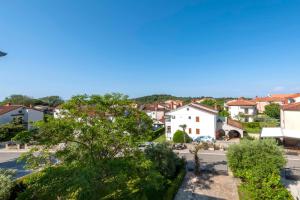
x=207, y=187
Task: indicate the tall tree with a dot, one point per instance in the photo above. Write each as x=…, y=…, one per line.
x=18, y=99
x=52, y=101
x=96, y=155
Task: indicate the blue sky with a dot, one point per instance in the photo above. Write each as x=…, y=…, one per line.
x=141, y=47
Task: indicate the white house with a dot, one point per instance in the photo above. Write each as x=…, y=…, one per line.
x=155, y=111
x=199, y=120
x=241, y=106
x=28, y=115
x=289, y=130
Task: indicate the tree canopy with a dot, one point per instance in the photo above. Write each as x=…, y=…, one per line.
x=96, y=152
x=52, y=101
x=18, y=99
x=273, y=110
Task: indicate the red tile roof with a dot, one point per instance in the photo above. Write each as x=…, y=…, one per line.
x=269, y=99
x=286, y=95
x=291, y=107
x=241, y=102
x=8, y=108
x=234, y=123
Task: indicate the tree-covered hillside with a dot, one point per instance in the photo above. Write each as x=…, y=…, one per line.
x=161, y=98
x=18, y=99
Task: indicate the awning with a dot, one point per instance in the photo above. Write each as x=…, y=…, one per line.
x=271, y=132
x=279, y=132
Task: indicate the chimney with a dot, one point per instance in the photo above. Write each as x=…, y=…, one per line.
x=216, y=107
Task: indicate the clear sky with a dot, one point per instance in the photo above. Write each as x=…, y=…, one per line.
x=141, y=47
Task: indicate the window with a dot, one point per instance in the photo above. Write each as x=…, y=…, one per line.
x=173, y=117
x=168, y=129
x=190, y=131
x=190, y=117
x=187, y=109
x=246, y=119
x=197, y=119
x=197, y=131
x=246, y=110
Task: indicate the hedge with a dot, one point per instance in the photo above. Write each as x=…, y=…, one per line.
x=175, y=185
x=155, y=134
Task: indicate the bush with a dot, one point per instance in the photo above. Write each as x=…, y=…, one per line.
x=178, y=137
x=258, y=164
x=8, y=131
x=164, y=159
x=6, y=183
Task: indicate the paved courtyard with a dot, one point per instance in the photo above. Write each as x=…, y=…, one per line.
x=207, y=187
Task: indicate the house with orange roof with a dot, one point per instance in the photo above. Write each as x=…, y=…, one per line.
x=173, y=104
x=262, y=102
x=241, y=109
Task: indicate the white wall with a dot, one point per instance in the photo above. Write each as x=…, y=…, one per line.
x=207, y=124
x=33, y=116
x=290, y=120
x=157, y=115
x=29, y=115
x=235, y=110
x=9, y=116
x=297, y=99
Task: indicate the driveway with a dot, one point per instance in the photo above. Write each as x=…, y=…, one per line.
x=207, y=187
x=218, y=184
x=8, y=160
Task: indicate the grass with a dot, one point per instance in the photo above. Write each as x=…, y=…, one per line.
x=160, y=139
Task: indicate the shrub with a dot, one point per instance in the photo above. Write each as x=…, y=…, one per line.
x=6, y=183
x=178, y=137
x=258, y=164
x=164, y=159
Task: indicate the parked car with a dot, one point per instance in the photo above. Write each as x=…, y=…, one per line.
x=179, y=146
x=204, y=139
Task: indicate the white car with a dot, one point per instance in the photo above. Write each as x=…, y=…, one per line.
x=204, y=139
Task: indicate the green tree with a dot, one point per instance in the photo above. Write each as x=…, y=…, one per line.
x=96, y=142
x=17, y=99
x=181, y=137
x=52, y=101
x=273, y=110
x=164, y=159
x=209, y=102
x=224, y=113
